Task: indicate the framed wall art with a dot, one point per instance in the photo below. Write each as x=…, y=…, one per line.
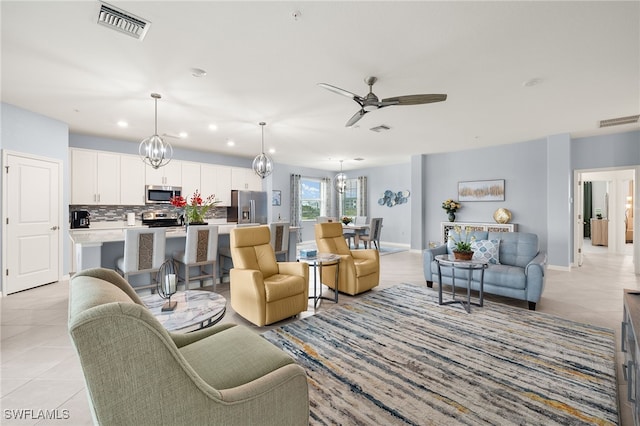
x=481, y=190
x=276, y=198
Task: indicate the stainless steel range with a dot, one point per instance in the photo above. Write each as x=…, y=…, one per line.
x=160, y=219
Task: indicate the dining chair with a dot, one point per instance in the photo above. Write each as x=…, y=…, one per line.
x=201, y=251
x=374, y=234
x=144, y=251
x=280, y=239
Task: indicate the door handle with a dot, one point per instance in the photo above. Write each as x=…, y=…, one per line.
x=54, y=228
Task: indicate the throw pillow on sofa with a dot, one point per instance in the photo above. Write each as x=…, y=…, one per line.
x=487, y=250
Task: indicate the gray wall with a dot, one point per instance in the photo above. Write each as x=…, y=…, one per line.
x=26, y=132
x=523, y=166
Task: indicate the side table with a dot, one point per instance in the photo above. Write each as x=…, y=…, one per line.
x=317, y=263
x=448, y=260
x=196, y=309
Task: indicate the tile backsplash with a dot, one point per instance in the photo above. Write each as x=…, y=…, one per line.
x=119, y=213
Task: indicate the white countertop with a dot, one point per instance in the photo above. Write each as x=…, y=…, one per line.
x=104, y=232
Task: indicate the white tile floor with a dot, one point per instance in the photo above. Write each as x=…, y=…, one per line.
x=40, y=371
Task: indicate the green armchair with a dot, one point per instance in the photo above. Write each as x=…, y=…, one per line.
x=137, y=372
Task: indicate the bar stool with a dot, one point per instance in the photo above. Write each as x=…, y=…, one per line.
x=144, y=251
x=201, y=250
x=280, y=239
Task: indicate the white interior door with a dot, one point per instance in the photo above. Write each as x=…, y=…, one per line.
x=32, y=222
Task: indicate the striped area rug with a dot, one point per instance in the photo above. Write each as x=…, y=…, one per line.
x=396, y=357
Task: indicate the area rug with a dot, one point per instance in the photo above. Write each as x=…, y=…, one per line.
x=396, y=357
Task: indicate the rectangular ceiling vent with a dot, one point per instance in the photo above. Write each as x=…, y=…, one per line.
x=380, y=128
x=124, y=22
x=619, y=121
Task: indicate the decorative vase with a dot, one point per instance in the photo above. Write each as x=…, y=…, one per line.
x=452, y=217
x=463, y=255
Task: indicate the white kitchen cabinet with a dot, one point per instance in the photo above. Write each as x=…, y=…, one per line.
x=216, y=180
x=191, y=179
x=245, y=179
x=95, y=177
x=167, y=175
x=131, y=181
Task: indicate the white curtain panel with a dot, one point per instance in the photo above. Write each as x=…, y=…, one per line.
x=363, y=204
x=295, y=205
x=326, y=205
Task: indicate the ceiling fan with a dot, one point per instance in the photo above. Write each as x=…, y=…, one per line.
x=371, y=102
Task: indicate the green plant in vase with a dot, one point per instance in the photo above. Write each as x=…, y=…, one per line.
x=196, y=209
x=451, y=207
x=462, y=246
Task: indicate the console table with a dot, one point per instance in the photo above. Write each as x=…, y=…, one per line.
x=446, y=227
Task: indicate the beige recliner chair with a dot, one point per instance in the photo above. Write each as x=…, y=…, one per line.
x=263, y=290
x=359, y=269
x=138, y=373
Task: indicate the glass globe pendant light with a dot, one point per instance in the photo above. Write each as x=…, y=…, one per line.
x=262, y=164
x=153, y=150
x=340, y=181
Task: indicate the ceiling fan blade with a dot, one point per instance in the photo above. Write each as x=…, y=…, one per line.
x=357, y=116
x=342, y=92
x=415, y=99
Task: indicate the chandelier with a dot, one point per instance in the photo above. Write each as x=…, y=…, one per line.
x=153, y=150
x=262, y=164
x=340, y=181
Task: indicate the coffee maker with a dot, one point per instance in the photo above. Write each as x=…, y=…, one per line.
x=80, y=219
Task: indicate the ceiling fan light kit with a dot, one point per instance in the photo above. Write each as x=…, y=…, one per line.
x=262, y=164
x=371, y=102
x=153, y=150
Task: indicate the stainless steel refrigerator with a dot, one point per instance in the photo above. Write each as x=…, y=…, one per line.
x=247, y=207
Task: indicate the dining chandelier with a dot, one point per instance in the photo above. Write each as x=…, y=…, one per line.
x=153, y=150
x=340, y=181
x=262, y=164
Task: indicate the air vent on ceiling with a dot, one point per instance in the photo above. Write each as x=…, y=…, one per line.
x=620, y=120
x=380, y=128
x=122, y=21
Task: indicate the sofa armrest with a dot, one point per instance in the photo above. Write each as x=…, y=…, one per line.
x=186, y=339
x=428, y=257
x=534, y=271
x=300, y=269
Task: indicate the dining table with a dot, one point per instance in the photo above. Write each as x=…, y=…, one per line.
x=356, y=230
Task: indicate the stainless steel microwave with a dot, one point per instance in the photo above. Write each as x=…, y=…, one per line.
x=156, y=194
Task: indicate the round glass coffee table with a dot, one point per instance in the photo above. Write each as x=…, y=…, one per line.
x=196, y=309
x=448, y=260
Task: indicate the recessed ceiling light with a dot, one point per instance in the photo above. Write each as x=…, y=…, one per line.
x=198, y=72
x=230, y=143
x=213, y=127
x=532, y=82
x=272, y=150
x=358, y=159
x=123, y=123
x=183, y=135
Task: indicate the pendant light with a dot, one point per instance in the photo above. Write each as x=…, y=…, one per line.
x=153, y=150
x=340, y=181
x=262, y=164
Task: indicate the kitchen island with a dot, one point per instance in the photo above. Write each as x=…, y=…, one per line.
x=103, y=243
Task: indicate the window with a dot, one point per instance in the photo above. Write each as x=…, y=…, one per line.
x=310, y=198
x=350, y=199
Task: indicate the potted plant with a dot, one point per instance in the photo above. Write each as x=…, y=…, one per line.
x=346, y=220
x=462, y=246
x=451, y=207
x=196, y=209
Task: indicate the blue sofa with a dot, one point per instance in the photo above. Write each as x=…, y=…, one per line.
x=519, y=273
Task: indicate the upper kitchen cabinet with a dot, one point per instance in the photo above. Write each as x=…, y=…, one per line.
x=245, y=179
x=168, y=175
x=190, y=179
x=131, y=180
x=95, y=177
x=216, y=180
